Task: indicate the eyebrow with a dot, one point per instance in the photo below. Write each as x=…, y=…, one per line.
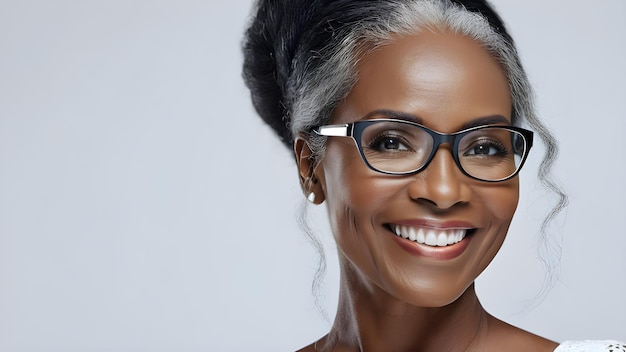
x=487, y=120
x=480, y=121
x=395, y=115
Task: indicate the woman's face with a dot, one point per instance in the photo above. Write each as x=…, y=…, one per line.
x=447, y=83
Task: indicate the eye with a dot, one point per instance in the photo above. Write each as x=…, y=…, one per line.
x=388, y=142
x=486, y=147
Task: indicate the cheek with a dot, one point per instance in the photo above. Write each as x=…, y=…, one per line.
x=351, y=188
x=340, y=184
x=354, y=197
x=502, y=201
x=349, y=184
x=499, y=204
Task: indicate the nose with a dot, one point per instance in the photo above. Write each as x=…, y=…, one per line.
x=441, y=184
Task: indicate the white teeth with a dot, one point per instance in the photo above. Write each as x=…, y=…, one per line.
x=442, y=239
x=430, y=237
x=459, y=235
x=421, y=237
x=412, y=234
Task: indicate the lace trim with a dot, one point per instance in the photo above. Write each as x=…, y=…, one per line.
x=591, y=346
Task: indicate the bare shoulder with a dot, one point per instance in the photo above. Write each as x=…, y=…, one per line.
x=309, y=348
x=319, y=345
x=506, y=337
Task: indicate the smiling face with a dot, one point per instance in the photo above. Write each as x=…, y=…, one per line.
x=446, y=83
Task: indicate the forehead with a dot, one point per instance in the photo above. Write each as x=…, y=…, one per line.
x=442, y=78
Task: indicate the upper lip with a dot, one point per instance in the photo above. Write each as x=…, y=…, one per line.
x=435, y=224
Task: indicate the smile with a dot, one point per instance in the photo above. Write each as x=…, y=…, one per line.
x=429, y=236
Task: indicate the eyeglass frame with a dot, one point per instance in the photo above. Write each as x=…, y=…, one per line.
x=355, y=130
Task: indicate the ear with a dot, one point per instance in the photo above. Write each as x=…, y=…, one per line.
x=307, y=166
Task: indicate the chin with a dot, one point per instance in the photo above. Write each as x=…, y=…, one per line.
x=433, y=298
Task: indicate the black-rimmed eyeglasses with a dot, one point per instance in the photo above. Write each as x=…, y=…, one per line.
x=490, y=153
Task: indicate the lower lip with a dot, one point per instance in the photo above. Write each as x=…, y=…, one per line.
x=439, y=253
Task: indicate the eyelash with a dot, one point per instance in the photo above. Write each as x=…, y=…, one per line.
x=374, y=143
x=490, y=143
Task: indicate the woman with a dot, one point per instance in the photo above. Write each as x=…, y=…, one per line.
x=405, y=118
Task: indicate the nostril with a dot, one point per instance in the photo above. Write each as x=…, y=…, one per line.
x=442, y=205
x=426, y=201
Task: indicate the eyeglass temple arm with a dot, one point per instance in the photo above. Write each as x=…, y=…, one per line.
x=334, y=130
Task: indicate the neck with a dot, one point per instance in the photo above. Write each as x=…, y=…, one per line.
x=369, y=319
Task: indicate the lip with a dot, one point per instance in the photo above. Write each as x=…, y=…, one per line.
x=432, y=224
x=437, y=253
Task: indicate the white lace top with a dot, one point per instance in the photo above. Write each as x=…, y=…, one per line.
x=591, y=346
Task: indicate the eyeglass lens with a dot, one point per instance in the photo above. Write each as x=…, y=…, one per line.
x=490, y=153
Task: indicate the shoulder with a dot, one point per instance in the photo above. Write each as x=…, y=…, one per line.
x=591, y=346
x=506, y=337
x=309, y=348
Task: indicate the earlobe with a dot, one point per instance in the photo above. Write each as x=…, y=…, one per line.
x=307, y=166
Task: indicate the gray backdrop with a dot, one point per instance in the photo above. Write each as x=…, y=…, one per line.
x=144, y=206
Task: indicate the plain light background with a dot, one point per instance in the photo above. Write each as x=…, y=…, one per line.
x=144, y=206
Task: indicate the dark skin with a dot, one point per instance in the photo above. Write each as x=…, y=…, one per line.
x=392, y=299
